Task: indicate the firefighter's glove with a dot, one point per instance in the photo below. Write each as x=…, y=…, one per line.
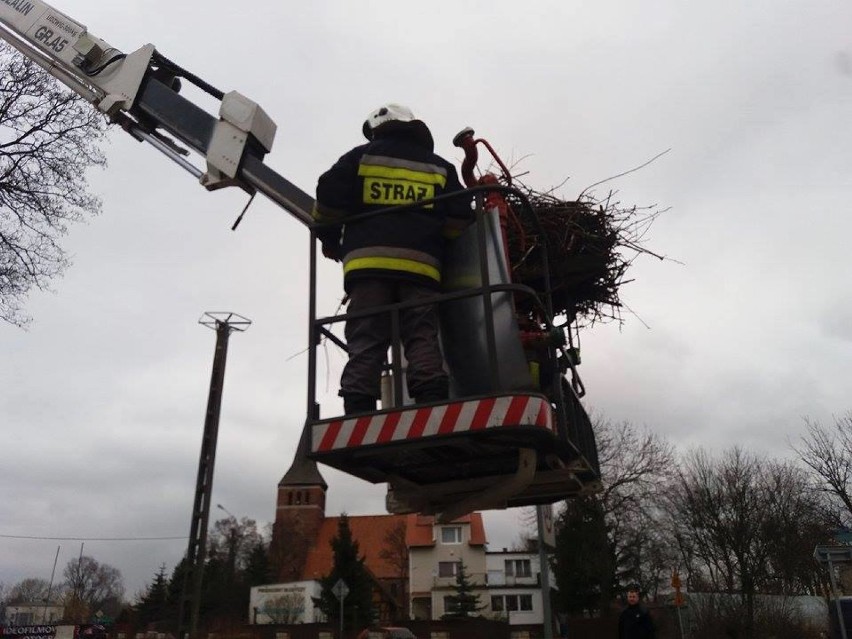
x=332, y=251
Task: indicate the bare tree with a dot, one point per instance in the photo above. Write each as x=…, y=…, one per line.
x=232, y=541
x=48, y=140
x=827, y=452
x=395, y=549
x=89, y=586
x=799, y=520
x=635, y=463
x=232, y=545
x=615, y=536
x=395, y=553
x=720, y=507
x=745, y=525
x=31, y=590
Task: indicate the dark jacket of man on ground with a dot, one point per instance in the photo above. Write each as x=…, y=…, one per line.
x=392, y=257
x=635, y=622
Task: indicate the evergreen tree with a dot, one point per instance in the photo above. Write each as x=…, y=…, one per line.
x=176, y=589
x=154, y=605
x=464, y=603
x=176, y=581
x=584, y=559
x=258, y=567
x=348, y=566
x=217, y=588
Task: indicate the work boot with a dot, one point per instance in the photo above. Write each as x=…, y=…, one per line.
x=358, y=403
x=435, y=390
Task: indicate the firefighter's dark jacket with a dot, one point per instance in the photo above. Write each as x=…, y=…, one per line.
x=391, y=170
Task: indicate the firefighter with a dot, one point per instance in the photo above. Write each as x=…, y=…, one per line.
x=392, y=257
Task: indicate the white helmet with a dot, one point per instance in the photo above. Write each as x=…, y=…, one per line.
x=400, y=117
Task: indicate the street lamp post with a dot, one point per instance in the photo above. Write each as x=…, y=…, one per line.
x=232, y=545
x=227, y=512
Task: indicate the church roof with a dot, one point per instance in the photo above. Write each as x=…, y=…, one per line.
x=370, y=531
x=303, y=471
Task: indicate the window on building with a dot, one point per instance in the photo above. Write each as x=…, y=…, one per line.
x=451, y=535
x=22, y=618
x=448, y=568
x=518, y=568
x=511, y=603
x=449, y=605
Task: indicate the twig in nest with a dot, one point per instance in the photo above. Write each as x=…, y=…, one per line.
x=633, y=170
x=586, y=240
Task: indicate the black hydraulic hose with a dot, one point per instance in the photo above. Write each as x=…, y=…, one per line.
x=180, y=72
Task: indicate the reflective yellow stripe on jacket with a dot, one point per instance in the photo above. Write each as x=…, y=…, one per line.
x=393, y=181
x=392, y=264
x=388, y=258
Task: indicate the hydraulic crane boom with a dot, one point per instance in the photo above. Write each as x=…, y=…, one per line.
x=140, y=91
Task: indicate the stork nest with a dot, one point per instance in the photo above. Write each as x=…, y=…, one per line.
x=590, y=243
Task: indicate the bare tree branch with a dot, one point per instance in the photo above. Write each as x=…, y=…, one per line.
x=828, y=454
x=48, y=141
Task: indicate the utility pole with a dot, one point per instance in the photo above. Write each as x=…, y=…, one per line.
x=223, y=324
x=50, y=587
x=544, y=524
x=232, y=545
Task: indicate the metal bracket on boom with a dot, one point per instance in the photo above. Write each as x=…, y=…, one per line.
x=239, y=118
x=122, y=85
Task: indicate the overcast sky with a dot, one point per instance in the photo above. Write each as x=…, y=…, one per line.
x=748, y=332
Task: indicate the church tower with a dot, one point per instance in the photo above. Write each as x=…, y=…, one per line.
x=299, y=513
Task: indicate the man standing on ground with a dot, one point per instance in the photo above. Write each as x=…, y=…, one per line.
x=394, y=257
x=635, y=622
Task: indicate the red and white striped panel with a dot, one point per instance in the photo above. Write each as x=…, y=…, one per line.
x=415, y=423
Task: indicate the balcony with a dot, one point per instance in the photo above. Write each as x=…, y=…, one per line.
x=502, y=579
x=476, y=579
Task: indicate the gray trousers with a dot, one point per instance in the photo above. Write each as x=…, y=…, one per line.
x=368, y=338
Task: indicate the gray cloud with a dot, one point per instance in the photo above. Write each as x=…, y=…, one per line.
x=104, y=396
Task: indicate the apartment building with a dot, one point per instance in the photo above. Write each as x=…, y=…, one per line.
x=514, y=587
x=436, y=552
